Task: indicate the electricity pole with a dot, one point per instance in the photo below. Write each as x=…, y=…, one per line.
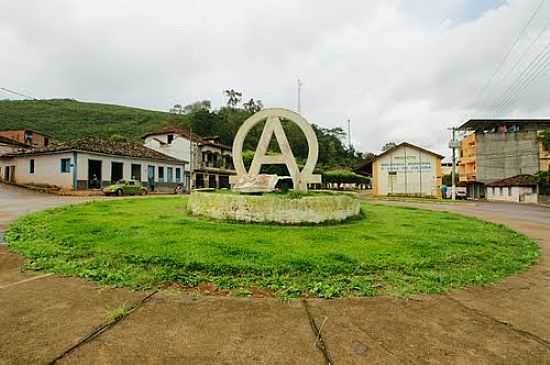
x=299, y=101
x=349, y=133
x=453, y=145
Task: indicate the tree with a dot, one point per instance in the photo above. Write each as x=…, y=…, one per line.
x=253, y=106
x=233, y=97
x=176, y=109
x=545, y=139
x=388, y=145
x=196, y=106
x=117, y=138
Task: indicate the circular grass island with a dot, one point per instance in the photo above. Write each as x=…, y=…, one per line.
x=141, y=243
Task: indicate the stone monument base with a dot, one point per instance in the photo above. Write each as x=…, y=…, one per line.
x=272, y=208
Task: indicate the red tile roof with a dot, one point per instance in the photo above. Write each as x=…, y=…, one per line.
x=101, y=146
x=518, y=180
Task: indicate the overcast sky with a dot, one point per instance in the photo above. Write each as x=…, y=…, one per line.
x=400, y=70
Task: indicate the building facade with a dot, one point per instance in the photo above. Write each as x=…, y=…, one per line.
x=407, y=169
x=28, y=137
x=92, y=163
x=498, y=149
x=517, y=189
x=211, y=162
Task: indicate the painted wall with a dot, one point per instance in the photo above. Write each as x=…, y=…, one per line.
x=106, y=168
x=517, y=194
x=407, y=170
x=179, y=148
x=47, y=170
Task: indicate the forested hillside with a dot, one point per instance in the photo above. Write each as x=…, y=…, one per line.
x=65, y=119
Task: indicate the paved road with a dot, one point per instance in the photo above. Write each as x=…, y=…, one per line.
x=16, y=201
x=505, y=323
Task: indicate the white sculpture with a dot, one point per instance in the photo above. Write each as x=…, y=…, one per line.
x=252, y=181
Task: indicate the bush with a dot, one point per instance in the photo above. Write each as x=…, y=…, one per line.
x=344, y=177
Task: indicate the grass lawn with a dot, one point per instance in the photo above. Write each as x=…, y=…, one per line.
x=149, y=242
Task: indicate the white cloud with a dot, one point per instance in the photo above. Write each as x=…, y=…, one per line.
x=401, y=70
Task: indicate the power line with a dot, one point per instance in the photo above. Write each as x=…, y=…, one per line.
x=533, y=68
x=501, y=64
x=17, y=93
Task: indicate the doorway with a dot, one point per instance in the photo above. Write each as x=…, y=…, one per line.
x=212, y=181
x=199, y=184
x=151, y=177
x=94, y=174
x=116, y=171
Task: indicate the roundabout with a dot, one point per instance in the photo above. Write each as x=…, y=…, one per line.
x=151, y=242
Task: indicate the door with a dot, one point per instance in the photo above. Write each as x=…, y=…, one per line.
x=392, y=181
x=94, y=174
x=212, y=181
x=116, y=171
x=151, y=177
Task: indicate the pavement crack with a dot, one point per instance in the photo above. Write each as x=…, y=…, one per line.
x=319, y=341
x=508, y=325
x=103, y=328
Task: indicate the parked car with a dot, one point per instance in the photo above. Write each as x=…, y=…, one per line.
x=461, y=193
x=122, y=187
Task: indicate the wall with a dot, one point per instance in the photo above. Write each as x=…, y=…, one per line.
x=253, y=208
x=106, y=164
x=179, y=148
x=517, y=194
x=467, y=159
x=19, y=135
x=416, y=173
x=502, y=155
x=544, y=158
x=47, y=170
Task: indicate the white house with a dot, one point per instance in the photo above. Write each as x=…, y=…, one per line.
x=90, y=163
x=211, y=161
x=407, y=169
x=517, y=189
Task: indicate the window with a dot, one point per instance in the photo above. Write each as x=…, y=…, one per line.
x=178, y=174
x=170, y=138
x=31, y=166
x=509, y=191
x=65, y=165
x=46, y=141
x=28, y=137
x=500, y=191
x=161, y=173
x=170, y=173
x=136, y=172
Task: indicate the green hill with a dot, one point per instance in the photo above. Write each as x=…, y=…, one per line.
x=64, y=119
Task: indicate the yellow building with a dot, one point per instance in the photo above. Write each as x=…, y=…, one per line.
x=407, y=169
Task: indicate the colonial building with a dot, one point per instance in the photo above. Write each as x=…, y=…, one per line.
x=407, y=169
x=92, y=163
x=497, y=149
x=211, y=162
x=517, y=189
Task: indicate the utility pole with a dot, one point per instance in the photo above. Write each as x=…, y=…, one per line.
x=349, y=133
x=299, y=101
x=453, y=145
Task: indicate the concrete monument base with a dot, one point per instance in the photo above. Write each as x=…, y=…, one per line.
x=272, y=208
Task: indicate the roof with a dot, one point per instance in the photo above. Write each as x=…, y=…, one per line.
x=175, y=130
x=518, y=180
x=406, y=144
x=476, y=124
x=101, y=146
x=25, y=129
x=204, y=141
x=12, y=142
